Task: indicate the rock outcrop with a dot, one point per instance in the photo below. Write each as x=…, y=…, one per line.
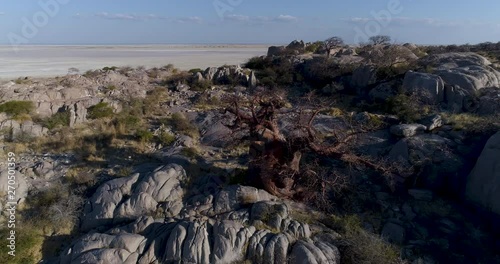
x=483, y=183
x=147, y=218
x=428, y=87
x=469, y=71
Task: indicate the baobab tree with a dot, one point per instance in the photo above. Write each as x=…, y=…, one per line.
x=380, y=40
x=275, y=158
x=331, y=43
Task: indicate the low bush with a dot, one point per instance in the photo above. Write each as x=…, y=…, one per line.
x=314, y=47
x=359, y=245
x=17, y=108
x=144, y=135
x=57, y=120
x=166, y=138
x=112, y=68
x=201, y=85
x=99, y=111
x=126, y=123
x=179, y=123
x=196, y=70
x=473, y=124
x=190, y=152
x=407, y=107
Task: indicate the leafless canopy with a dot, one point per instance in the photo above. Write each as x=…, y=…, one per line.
x=276, y=157
x=332, y=43
x=380, y=40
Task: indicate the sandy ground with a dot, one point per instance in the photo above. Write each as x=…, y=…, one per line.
x=41, y=61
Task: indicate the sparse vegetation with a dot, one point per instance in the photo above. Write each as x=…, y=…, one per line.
x=180, y=124
x=473, y=124
x=144, y=136
x=17, y=109
x=100, y=110
x=360, y=246
x=166, y=138
x=59, y=119
x=407, y=107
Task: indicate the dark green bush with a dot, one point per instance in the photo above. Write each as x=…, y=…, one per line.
x=144, y=135
x=100, y=110
x=112, y=68
x=407, y=107
x=201, y=85
x=166, y=138
x=127, y=122
x=195, y=70
x=179, y=123
x=258, y=63
x=314, y=47
x=59, y=119
x=17, y=108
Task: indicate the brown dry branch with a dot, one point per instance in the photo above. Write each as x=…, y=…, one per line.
x=275, y=162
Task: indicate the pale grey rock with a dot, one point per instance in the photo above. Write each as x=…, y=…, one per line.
x=306, y=252
x=100, y=208
x=199, y=77
x=44, y=170
x=182, y=88
x=196, y=247
x=483, y=183
x=209, y=73
x=407, y=130
x=432, y=122
x=103, y=248
x=252, y=81
x=213, y=226
x=229, y=241
x=233, y=197
x=428, y=87
x=21, y=130
x=467, y=70
x=20, y=184
x=455, y=60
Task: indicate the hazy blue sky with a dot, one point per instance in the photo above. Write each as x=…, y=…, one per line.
x=246, y=21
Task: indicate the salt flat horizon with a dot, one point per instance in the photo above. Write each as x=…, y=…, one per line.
x=55, y=60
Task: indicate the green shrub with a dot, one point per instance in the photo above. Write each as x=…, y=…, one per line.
x=176, y=78
x=99, y=111
x=144, y=135
x=195, y=70
x=59, y=119
x=258, y=63
x=91, y=74
x=407, y=107
x=179, y=123
x=314, y=47
x=360, y=245
x=29, y=242
x=473, y=124
x=201, y=85
x=112, y=68
x=110, y=87
x=168, y=67
x=166, y=138
x=17, y=108
x=190, y=152
x=126, y=122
